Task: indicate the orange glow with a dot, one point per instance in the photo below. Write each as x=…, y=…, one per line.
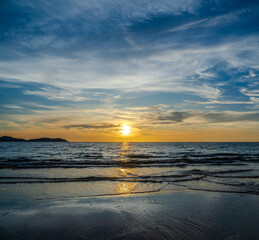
x=125, y=188
x=199, y=134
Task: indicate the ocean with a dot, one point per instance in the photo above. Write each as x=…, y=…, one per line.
x=55, y=170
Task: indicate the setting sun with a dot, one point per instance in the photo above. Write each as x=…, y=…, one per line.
x=125, y=130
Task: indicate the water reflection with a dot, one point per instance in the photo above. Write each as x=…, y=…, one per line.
x=125, y=188
x=125, y=148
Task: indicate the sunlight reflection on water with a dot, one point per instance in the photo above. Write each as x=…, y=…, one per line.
x=125, y=188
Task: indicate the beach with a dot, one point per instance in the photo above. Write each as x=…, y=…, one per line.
x=129, y=191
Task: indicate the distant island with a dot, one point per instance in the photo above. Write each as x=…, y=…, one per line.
x=11, y=139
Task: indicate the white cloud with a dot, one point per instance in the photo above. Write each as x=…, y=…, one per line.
x=221, y=102
x=63, y=94
x=254, y=99
x=12, y=106
x=251, y=93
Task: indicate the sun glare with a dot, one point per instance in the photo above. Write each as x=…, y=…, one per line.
x=125, y=130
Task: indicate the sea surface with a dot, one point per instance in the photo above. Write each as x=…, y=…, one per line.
x=55, y=170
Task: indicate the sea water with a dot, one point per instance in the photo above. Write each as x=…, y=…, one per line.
x=30, y=170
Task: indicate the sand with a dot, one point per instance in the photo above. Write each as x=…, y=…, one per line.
x=166, y=215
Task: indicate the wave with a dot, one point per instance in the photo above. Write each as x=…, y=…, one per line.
x=179, y=176
x=145, y=161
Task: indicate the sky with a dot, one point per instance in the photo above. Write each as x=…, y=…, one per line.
x=174, y=71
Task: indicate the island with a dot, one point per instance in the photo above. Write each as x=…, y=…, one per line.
x=11, y=139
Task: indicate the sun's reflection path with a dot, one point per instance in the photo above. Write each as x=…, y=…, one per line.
x=125, y=148
x=125, y=188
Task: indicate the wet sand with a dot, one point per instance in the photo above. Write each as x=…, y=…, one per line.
x=167, y=215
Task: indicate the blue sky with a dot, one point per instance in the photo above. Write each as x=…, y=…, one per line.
x=89, y=66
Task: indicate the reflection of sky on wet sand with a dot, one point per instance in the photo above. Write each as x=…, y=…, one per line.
x=125, y=188
x=182, y=215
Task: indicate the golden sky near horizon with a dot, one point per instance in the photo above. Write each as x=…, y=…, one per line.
x=213, y=134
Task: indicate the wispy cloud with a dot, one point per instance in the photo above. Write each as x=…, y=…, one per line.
x=12, y=106
x=214, y=102
x=250, y=93
x=92, y=126
x=214, y=21
x=58, y=94
x=193, y=117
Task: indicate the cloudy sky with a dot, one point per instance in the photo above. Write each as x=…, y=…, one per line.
x=172, y=70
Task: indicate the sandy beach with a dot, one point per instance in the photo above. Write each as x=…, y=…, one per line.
x=167, y=215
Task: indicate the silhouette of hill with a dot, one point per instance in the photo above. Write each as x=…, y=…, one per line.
x=48, y=140
x=11, y=139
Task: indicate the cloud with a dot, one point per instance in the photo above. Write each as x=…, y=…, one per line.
x=254, y=99
x=222, y=102
x=250, y=93
x=205, y=117
x=41, y=106
x=54, y=120
x=12, y=106
x=175, y=116
x=222, y=19
x=59, y=94
x=253, y=94
x=92, y=126
x=230, y=117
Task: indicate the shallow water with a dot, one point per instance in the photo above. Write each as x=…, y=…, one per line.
x=56, y=170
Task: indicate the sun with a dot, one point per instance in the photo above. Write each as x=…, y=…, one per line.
x=125, y=130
